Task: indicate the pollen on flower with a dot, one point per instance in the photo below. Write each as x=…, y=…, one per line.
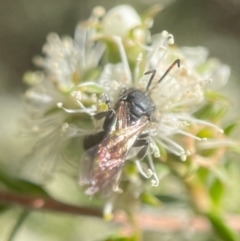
x=115, y=85
x=77, y=95
x=59, y=105
x=107, y=211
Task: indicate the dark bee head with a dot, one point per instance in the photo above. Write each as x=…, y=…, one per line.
x=139, y=102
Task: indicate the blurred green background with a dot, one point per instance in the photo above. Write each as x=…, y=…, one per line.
x=24, y=25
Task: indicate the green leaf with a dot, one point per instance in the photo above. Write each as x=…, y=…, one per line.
x=221, y=228
x=18, y=225
x=206, y=133
x=150, y=199
x=216, y=97
x=212, y=111
x=112, y=52
x=204, y=112
x=215, y=108
x=22, y=186
x=3, y=208
x=203, y=174
x=91, y=88
x=169, y=199
x=231, y=127
x=216, y=192
x=118, y=238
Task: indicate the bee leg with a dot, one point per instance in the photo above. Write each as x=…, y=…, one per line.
x=110, y=114
x=93, y=140
x=142, y=136
x=106, y=99
x=109, y=120
x=103, y=114
x=144, y=144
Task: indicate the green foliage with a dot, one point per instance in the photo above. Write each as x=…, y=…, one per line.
x=150, y=199
x=22, y=186
x=215, y=107
x=133, y=238
x=230, y=128
x=221, y=228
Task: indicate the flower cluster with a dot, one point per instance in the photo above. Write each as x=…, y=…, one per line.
x=110, y=52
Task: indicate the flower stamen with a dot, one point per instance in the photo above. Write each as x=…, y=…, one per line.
x=124, y=59
x=155, y=181
x=144, y=174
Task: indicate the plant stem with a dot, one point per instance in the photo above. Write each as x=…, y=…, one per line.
x=40, y=203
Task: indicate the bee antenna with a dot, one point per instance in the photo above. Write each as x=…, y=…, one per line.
x=153, y=73
x=177, y=61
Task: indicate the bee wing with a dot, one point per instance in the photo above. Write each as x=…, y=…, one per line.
x=102, y=163
x=96, y=173
x=86, y=165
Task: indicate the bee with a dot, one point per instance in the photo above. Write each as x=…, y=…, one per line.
x=125, y=127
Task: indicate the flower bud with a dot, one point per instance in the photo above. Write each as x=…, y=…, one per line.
x=119, y=20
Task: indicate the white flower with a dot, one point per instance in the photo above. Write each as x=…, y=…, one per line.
x=119, y=20
x=67, y=60
x=176, y=97
x=63, y=82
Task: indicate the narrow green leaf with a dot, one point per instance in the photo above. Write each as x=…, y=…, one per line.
x=204, y=112
x=215, y=108
x=216, y=97
x=21, y=186
x=221, y=228
x=169, y=199
x=18, y=224
x=150, y=199
x=212, y=111
x=216, y=192
x=231, y=127
x=203, y=174
x=118, y=238
x=3, y=208
x=92, y=89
